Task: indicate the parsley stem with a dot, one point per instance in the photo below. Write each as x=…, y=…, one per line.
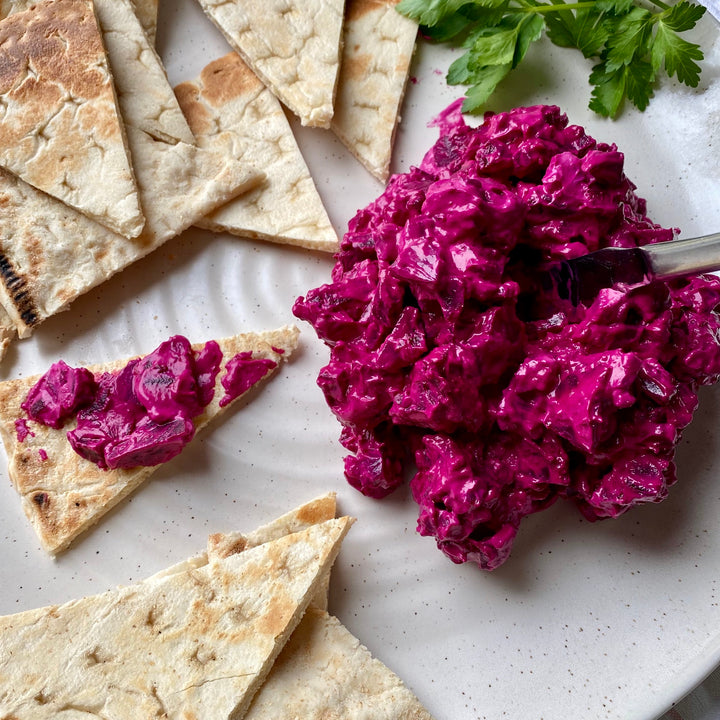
x=555, y=8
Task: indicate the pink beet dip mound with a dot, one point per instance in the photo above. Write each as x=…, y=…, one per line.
x=433, y=369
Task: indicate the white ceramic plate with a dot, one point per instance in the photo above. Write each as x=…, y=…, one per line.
x=613, y=620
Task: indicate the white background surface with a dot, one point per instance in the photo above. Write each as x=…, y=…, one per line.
x=607, y=620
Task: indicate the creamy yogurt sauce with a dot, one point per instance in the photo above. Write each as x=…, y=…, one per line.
x=434, y=372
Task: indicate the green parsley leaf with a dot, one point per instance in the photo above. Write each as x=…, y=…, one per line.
x=629, y=38
x=429, y=12
x=632, y=40
x=585, y=30
x=677, y=54
x=682, y=16
x=487, y=80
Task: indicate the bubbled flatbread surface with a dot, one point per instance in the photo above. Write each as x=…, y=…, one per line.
x=323, y=671
x=228, y=97
x=49, y=253
x=377, y=52
x=147, y=13
x=60, y=127
x=293, y=47
x=193, y=644
x=62, y=494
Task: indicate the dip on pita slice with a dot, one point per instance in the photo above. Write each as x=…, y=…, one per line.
x=50, y=254
x=62, y=493
x=377, y=50
x=293, y=47
x=61, y=129
x=193, y=644
x=286, y=207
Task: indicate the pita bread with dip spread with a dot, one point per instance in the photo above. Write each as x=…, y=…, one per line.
x=293, y=47
x=197, y=643
x=51, y=254
x=377, y=50
x=61, y=130
x=228, y=97
x=64, y=494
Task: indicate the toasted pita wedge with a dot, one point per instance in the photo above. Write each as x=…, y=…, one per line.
x=63, y=494
x=61, y=129
x=323, y=670
x=286, y=207
x=51, y=254
x=377, y=50
x=146, y=98
x=147, y=12
x=205, y=638
x=293, y=47
x=222, y=545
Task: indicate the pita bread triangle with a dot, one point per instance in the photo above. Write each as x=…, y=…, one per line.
x=51, y=254
x=62, y=494
x=286, y=207
x=147, y=12
x=377, y=50
x=293, y=47
x=191, y=644
x=323, y=671
x=61, y=129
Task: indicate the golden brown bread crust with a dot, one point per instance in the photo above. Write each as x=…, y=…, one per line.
x=377, y=51
x=61, y=129
x=63, y=494
x=227, y=97
x=204, y=637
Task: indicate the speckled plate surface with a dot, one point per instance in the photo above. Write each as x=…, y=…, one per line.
x=612, y=620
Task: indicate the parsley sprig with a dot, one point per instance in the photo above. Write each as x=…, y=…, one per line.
x=632, y=42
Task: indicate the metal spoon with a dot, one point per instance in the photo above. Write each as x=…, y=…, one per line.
x=580, y=279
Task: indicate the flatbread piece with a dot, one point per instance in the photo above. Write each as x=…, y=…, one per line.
x=51, y=254
x=323, y=671
x=293, y=47
x=63, y=494
x=377, y=51
x=61, y=129
x=228, y=97
x=194, y=644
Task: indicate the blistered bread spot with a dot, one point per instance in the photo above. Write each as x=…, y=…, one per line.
x=279, y=611
x=197, y=115
x=36, y=65
x=317, y=512
x=226, y=78
x=60, y=123
x=356, y=9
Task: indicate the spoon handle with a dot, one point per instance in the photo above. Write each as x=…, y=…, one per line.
x=684, y=257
